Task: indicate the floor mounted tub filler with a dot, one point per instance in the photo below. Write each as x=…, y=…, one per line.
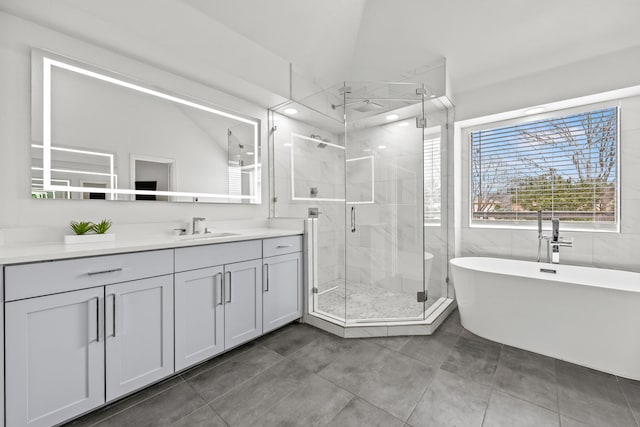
x=588, y=316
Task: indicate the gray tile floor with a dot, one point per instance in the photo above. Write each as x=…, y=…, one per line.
x=301, y=376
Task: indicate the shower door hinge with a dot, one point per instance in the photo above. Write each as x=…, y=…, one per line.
x=315, y=290
x=421, y=91
x=446, y=280
x=421, y=122
x=422, y=296
x=275, y=199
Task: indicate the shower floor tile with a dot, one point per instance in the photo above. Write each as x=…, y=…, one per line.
x=369, y=301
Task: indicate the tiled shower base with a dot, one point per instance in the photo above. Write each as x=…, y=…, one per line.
x=369, y=302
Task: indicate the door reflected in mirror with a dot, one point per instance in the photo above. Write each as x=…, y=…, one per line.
x=98, y=135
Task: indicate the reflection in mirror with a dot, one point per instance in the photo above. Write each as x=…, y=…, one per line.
x=97, y=135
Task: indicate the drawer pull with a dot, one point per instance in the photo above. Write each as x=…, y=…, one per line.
x=113, y=270
x=283, y=246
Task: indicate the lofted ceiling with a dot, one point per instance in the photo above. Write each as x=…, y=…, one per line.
x=484, y=42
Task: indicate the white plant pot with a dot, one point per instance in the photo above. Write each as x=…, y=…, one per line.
x=88, y=238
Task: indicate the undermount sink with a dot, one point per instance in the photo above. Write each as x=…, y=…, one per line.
x=206, y=236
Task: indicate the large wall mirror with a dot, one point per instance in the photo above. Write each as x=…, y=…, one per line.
x=98, y=135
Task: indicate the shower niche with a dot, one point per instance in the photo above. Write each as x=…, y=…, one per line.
x=370, y=159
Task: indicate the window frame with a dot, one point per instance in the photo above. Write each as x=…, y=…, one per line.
x=431, y=133
x=598, y=227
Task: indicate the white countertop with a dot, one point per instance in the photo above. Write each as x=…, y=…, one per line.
x=16, y=254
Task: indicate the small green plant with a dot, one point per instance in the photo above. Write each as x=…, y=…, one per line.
x=101, y=227
x=81, y=227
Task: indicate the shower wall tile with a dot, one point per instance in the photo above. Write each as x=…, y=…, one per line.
x=411, y=285
x=353, y=274
x=410, y=265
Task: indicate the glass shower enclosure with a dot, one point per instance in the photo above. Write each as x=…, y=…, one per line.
x=366, y=161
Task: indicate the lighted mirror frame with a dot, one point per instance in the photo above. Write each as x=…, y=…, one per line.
x=44, y=61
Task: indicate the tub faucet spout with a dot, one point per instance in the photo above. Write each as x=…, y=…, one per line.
x=554, y=242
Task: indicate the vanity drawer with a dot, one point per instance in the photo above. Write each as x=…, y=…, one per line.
x=281, y=245
x=195, y=257
x=43, y=278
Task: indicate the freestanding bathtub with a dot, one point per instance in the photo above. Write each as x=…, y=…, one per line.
x=587, y=316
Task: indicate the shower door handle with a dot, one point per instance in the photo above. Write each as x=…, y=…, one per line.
x=353, y=219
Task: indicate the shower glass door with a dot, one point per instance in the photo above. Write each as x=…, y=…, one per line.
x=384, y=209
x=360, y=155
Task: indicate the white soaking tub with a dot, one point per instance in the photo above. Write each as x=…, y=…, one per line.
x=587, y=316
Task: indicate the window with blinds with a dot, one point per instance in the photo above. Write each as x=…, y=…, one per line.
x=564, y=166
x=432, y=181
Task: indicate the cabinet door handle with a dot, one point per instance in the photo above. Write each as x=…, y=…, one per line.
x=113, y=313
x=97, y=299
x=113, y=270
x=266, y=277
x=97, y=319
x=228, y=286
x=283, y=246
x=218, y=289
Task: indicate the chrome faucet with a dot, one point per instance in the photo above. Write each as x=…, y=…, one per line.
x=556, y=242
x=195, y=229
x=553, y=242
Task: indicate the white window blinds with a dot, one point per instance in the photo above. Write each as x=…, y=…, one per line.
x=564, y=166
x=432, y=179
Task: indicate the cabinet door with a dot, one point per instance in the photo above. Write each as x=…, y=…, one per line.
x=54, y=357
x=199, y=312
x=243, y=302
x=282, y=290
x=139, y=334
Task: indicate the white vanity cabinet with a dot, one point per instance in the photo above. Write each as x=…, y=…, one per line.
x=218, y=299
x=282, y=281
x=242, y=302
x=216, y=308
x=82, y=332
x=139, y=334
x=54, y=357
x=199, y=320
x=60, y=362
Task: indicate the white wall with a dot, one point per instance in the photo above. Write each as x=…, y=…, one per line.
x=17, y=209
x=599, y=74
